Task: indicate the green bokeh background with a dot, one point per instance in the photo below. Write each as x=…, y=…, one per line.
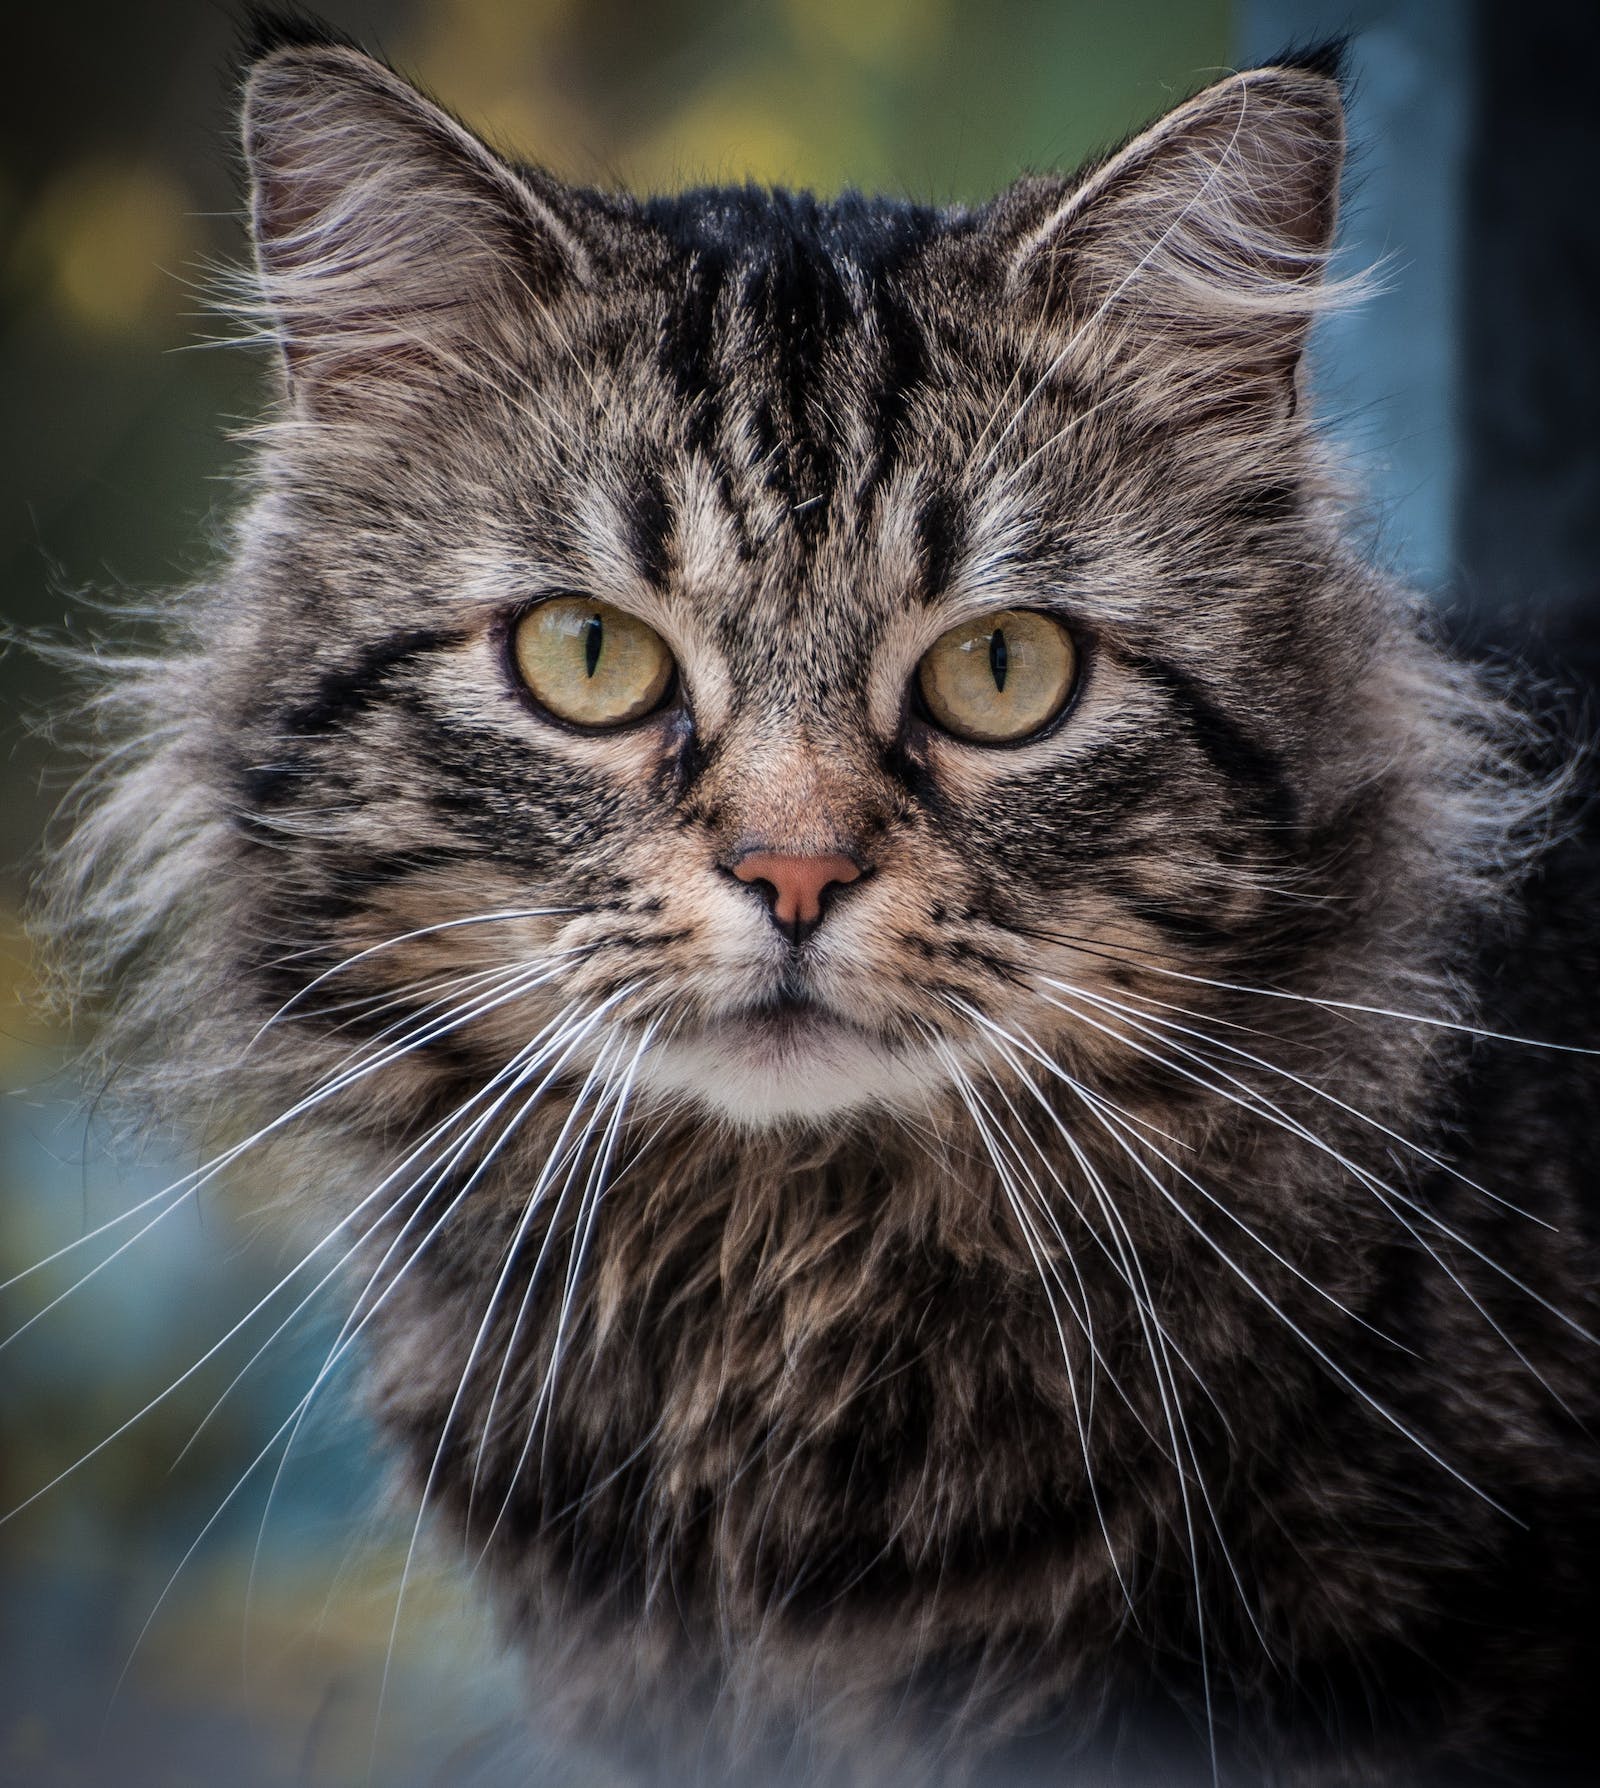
x=118, y=187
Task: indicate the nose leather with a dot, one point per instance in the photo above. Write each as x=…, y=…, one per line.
x=797, y=885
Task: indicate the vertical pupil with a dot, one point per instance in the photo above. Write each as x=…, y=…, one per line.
x=997, y=657
x=592, y=637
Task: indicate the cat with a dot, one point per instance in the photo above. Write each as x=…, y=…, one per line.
x=945, y=1047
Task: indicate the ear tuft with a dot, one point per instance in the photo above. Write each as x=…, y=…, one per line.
x=389, y=240
x=1328, y=57
x=1207, y=235
x=266, y=29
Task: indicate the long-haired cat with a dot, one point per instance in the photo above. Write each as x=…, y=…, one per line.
x=901, y=981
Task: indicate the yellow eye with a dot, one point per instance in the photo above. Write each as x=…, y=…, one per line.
x=590, y=663
x=999, y=677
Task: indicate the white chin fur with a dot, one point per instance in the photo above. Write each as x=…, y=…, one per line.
x=756, y=1079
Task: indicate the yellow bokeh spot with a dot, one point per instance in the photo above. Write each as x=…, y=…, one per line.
x=495, y=66
x=723, y=136
x=778, y=126
x=24, y=1027
x=886, y=33
x=28, y=1741
x=106, y=240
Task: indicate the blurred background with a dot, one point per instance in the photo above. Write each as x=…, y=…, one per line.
x=158, y=1622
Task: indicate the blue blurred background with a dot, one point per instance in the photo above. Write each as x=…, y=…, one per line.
x=1466, y=392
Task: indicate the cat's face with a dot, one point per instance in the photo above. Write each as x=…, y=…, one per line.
x=944, y=548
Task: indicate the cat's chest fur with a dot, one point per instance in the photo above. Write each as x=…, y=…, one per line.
x=817, y=1432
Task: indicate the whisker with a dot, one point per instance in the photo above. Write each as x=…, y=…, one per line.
x=190, y=1184
x=1319, y=1092
x=1032, y=1049
x=1112, y=953
x=974, y=1102
x=92, y=1235
x=565, y=1152
x=216, y=1347
x=590, y=1021
x=436, y=1173
x=1155, y=1339
x=588, y=1209
x=1263, y=1106
x=405, y=937
x=563, y=1034
x=1094, y=1104
x=1042, y=1204
x=596, y=1184
x=1387, y=1195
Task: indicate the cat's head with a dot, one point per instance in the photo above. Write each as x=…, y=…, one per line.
x=798, y=649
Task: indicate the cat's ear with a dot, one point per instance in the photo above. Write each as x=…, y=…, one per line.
x=389, y=240
x=1205, y=240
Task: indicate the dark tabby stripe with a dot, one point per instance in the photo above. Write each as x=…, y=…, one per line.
x=1242, y=761
x=349, y=689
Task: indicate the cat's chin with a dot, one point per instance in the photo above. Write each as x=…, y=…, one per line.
x=763, y=1069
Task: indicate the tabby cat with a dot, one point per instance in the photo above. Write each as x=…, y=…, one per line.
x=944, y=1049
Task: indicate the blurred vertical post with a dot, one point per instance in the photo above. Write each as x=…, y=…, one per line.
x=1528, y=514
x=1388, y=372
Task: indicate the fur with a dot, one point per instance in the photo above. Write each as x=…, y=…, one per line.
x=1097, y=1329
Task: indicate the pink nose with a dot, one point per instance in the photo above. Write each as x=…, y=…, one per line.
x=796, y=886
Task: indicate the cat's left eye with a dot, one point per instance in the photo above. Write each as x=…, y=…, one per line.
x=590, y=663
x=999, y=678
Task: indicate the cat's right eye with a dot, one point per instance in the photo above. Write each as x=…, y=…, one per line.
x=591, y=664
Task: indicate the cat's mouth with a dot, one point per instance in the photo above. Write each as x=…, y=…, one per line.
x=790, y=1020
x=788, y=1056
